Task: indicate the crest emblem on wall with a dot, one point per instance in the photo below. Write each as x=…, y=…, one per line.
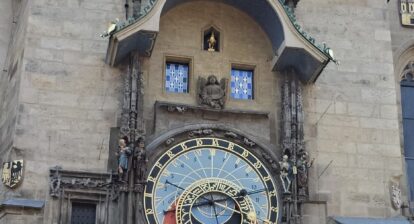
x=12, y=173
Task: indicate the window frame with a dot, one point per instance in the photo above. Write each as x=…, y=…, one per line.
x=178, y=60
x=244, y=67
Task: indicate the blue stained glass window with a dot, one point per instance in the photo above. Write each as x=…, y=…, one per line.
x=176, y=78
x=241, y=84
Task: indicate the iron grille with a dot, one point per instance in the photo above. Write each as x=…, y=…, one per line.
x=83, y=213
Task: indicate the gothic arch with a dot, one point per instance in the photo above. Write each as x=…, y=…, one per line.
x=292, y=47
x=172, y=136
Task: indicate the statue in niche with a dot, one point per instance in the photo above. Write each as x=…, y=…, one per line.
x=303, y=165
x=212, y=93
x=212, y=42
x=140, y=155
x=123, y=156
x=285, y=174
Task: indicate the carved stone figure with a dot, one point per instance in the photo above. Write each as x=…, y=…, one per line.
x=141, y=161
x=212, y=42
x=285, y=174
x=212, y=93
x=123, y=156
x=230, y=134
x=269, y=159
x=396, y=196
x=12, y=173
x=179, y=109
x=303, y=165
x=169, y=141
x=248, y=142
x=55, y=181
x=200, y=132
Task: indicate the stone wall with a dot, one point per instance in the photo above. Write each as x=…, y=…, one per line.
x=69, y=98
x=402, y=41
x=243, y=42
x=351, y=112
x=12, y=36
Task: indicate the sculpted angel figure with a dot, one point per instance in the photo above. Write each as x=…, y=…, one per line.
x=211, y=92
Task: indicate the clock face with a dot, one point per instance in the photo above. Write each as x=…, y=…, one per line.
x=210, y=180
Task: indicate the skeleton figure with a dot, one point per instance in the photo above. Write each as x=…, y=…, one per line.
x=211, y=93
x=123, y=156
x=285, y=174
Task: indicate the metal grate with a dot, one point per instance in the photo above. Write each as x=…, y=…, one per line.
x=83, y=213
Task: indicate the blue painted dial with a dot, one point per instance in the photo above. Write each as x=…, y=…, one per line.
x=210, y=180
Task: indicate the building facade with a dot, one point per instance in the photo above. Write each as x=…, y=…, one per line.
x=225, y=111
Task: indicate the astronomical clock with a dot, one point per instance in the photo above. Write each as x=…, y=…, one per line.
x=210, y=181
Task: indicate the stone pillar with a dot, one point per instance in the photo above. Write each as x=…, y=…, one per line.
x=133, y=129
x=295, y=168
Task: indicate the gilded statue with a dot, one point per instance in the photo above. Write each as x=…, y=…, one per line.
x=212, y=93
x=212, y=42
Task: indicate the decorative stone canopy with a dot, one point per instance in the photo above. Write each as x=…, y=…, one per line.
x=293, y=48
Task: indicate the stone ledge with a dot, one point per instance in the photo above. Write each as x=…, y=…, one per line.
x=182, y=108
x=23, y=203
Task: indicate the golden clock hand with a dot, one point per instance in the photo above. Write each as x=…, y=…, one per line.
x=242, y=193
x=236, y=211
x=174, y=185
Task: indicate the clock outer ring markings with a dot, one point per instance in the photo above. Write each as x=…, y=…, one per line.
x=196, y=143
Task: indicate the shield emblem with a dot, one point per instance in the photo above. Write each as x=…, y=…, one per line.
x=12, y=173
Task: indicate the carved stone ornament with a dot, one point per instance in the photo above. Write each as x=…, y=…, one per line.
x=200, y=132
x=12, y=173
x=396, y=196
x=212, y=93
x=77, y=180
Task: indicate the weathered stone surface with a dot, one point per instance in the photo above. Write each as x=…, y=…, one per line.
x=62, y=101
x=361, y=135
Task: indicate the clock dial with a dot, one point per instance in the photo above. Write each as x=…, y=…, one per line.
x=210, y=180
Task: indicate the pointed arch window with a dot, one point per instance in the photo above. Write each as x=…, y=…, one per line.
x=407, y=105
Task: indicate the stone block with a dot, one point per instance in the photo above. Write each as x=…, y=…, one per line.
x=379, y=149
x=384, y=96
x=58, y=98
x=389, y=111
x=44, y=54
x=383, y=35
x=363, y=110
x=61, y=43
x=338, y=120
x=379, y=123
